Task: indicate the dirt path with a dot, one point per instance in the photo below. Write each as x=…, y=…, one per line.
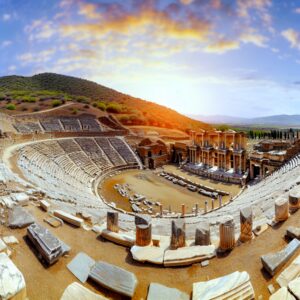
x=45, y=111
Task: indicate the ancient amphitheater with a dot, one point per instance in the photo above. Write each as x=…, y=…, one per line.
x=50, y=171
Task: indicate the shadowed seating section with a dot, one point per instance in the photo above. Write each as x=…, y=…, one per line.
x=59, y=124
x=29, y=127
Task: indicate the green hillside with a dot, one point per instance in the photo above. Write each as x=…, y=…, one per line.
x=55, y=90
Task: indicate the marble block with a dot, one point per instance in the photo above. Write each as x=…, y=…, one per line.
x=237, y=284
x=159, y=291
x=293, y=232
x=77, y=291
x=80, y=266
x=188, y=255
x=282, y=294
x=150, y=254
x=18, y=217
x=114, y=278
x=12, y=282
x=290, y=273
x=294, y=287
x=273, y=261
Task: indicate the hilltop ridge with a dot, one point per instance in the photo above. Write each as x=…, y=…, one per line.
x=43, y=89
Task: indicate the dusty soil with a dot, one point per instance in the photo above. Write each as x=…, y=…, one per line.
x=49, y=282
x=157, y=188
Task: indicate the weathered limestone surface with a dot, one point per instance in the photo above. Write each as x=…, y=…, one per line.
x=202, y=235
x=293, y=232
x=294, y=287
x=20, y=198
x=12, y=282
x=119, y=238
x=159, y=291
x=78, y=291
x=45, y=205
x=282, y=294
x=188, y=255
x=46, y=243
x=236, y=285
x=281, y=209
x=273, y=261
x=246, y=224
x=68, y=218
x=177, y=234
x=227, y=236
x=114, y=278
x=2, y=246
x=112, y=221
x=18, y=217
x=80, y=266
x=10, y=240
x=290, y=273
x=294, y=199
x=150, y=254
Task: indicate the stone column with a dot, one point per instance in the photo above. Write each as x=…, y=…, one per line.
x=182, y=210
x=212, y=204
x=246, y=224
x=112, y=219
x=206, y=206
x=227, y=238
x=281, y=209
x=143, y=235
x=177, y=234
x=161, y=210
x=202, y=235
x=294, y=200
x=240, y=163
x=220, y=200
x=143, y=232
x=233, y=163
x=196, y=209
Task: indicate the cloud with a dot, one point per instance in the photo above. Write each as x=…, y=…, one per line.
x=251, y=36
x=292, y=36
x=6, y=17
x=6, y=43
x=297, y=10
x=36, y=57
x=186, y=2
x=141, y=23
x=11, y=68
x=89, y=10
x=40, y=30
x=247, y=9
x=222, y=46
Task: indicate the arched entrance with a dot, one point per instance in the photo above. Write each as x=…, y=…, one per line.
x=256, y=171
x=151, y=163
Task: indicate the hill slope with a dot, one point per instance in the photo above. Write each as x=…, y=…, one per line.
x=129, y=110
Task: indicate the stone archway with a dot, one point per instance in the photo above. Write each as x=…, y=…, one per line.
x=151, y=164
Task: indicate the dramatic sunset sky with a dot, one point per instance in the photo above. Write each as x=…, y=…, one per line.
x=233, y=57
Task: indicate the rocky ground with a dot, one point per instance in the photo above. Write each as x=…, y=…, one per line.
x=49, y=282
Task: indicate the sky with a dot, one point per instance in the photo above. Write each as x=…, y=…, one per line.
x=207, y=57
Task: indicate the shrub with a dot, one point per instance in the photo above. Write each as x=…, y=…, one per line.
x=74, y=111
x=56, y=103
x=114, y=108
x=10, y=106
x=101, y=105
